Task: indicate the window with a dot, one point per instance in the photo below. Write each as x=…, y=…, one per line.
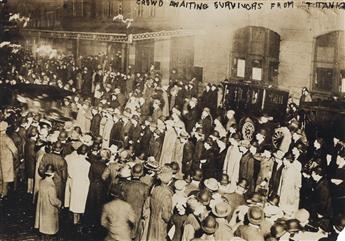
x=119, y=8
x=140, y=10
x=329, y=62
x=152, y=11
x=255, y=55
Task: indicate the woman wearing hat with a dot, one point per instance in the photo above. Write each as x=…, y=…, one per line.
x=290, y=184
x=48, y=204
x=8, y=152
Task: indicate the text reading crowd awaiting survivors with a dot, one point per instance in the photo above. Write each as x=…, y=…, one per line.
x=231, y=5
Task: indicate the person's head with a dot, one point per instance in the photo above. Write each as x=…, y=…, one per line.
x=256, y=215
x=318, y=143
x=209, y=225
x=105, y=154
x=261, y=135
x=230, y=114
x=137, y=170
x=242, y=186
x=278, y=230
x=49, y=171
x=206, y=112
x=83, y=150
x=317, y=173
x=293, y=226
x=57, y=147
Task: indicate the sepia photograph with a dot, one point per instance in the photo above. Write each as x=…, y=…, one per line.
x=172, y=120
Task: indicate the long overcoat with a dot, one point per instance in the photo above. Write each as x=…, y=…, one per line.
x=8, y=152
x=47, y=209
x=160, y=213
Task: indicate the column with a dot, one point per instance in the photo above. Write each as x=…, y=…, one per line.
x=162, y=55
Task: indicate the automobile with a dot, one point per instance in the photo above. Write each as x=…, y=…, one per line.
x=253, y=102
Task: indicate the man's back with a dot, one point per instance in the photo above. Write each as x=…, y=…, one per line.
x=116, y=216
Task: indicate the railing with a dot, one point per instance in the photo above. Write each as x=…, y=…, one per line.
x=106, y=37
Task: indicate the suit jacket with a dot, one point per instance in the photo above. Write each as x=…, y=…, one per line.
x=247, y=166
x=60, y=166
x=322, y=202
x=249, y=233
x=30, y=158
x=115, y=133
x=160, y=213
x=156, y=146
x=190, y=119
x=188, y=151
x=135, y=193
x=95, y=124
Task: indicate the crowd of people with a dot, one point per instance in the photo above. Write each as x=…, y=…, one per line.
x=148, y=161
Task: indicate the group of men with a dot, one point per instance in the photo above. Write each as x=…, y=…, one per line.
x=159, y=162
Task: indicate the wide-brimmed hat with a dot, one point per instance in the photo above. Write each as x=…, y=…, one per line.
x=302, y=215
x=152, y=164
x=125, y=171
x=86, y=140
x=3, y=126
x=256, y=215
x=257, y=198
x=209, y=225
x=180, y=185
x=221, y=209
x=212, y=184
x=165, y=175
x=68, y=126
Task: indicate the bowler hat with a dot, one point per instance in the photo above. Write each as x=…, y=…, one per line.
x=256, y=215
x=221, y=209
x=209, y=225
x=166, y=175
x=225, y=179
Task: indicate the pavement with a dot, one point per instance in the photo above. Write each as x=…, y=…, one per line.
x=17, y=217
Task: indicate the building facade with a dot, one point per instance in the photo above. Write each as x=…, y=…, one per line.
x=290, y=48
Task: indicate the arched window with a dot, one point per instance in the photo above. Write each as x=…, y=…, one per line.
x=329, y=62
x=255, y=55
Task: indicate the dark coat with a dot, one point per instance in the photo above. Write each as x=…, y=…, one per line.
x=97, y=191
x=207, y=126
x=275, y=178
x=187, y=159
x=115, y=134
x=146, y=138
x=60, y=166
x=30, y=158
x=190, y=119
x=209, y=169
x=247, y=169
x=155, y=148
x=135, y=193
x=95, y=124
x=322, y=202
